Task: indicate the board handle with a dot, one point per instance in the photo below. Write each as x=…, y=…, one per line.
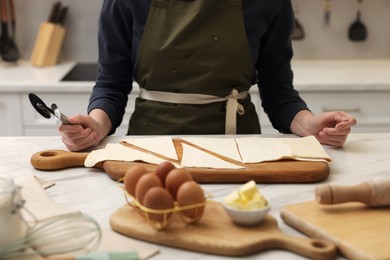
x=313, y=248
x=49, y=160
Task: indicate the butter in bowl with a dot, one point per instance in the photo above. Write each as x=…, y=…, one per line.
x=247, y=206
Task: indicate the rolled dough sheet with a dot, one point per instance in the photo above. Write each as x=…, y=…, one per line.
x=224, y=146
x=258, y=149
x=307, y=148
x=158, y=144
x=119, y=152
x=193, y=157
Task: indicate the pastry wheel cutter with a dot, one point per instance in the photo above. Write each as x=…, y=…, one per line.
x=46, y=111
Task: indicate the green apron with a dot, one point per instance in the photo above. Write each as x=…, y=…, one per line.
x=193, y=57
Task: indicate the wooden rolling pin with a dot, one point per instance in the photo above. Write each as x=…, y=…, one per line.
x=373, y=193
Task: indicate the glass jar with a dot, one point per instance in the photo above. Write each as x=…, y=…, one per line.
x=11, y=223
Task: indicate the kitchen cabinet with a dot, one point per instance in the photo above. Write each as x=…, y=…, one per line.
x=371, y=108
x=10, y=114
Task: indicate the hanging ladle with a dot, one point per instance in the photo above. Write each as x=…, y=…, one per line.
x=46, y=111
x=357, y=30
x=299, y=32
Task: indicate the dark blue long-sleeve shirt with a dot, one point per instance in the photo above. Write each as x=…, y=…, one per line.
x=268, y=25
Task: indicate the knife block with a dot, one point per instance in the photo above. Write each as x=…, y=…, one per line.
x=48, y=44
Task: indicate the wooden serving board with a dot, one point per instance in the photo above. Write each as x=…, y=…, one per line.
x=215, y=233
x=286, y=171
x=358, y=231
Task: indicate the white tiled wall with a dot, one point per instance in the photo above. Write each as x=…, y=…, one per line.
x=321, y=42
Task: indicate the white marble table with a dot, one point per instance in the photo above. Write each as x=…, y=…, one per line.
x=364, y=157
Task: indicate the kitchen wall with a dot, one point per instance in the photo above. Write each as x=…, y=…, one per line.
x=80, y=41
x=331, y=41
x=321, y=41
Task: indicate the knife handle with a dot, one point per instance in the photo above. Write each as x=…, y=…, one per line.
x=54, y=12
x=61, y=15
x=373, y=193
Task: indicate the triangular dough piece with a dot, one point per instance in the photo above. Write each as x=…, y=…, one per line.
x=119, y=152
x=193, y=157
x=223, y=146
x=258, y=149
x=157, y=144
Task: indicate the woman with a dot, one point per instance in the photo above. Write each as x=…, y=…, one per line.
x=195, y=61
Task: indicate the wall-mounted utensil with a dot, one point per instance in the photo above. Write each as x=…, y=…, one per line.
x=327, y=12
x=9, y=52
x=299, y=32
x=358, y=31
x=46, y=111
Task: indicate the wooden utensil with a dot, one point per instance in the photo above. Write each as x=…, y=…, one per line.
x=359, y=232
x=12, y=19
x=215, y=233
x=358, y=31
x=8, y=50
x=288, y=171
x=372, y=193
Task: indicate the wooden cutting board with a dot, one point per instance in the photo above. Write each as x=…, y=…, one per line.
x=286, y=171
x=215, y=233
x=358, y=231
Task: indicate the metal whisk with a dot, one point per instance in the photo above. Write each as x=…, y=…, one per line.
x=73, y=233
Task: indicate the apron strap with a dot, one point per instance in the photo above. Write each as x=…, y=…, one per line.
x=232, y=105
x=232, y=108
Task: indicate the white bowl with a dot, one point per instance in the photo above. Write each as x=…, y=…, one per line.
x=247, y=217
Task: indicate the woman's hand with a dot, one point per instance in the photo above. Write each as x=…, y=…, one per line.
x=331, y=128
x=86, y=131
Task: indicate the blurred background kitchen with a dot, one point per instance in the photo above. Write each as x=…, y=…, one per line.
x=321, y=41
x=334, y=68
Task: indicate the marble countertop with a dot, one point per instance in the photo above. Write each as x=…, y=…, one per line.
x=309, y=75
x=364, y=157
x=22, y=77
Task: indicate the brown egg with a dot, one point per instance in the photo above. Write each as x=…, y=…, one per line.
x=158, y=198
x=163, y=169
x=175, y=178
x=145, y=183
x=132, y=176
x=191, y=193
